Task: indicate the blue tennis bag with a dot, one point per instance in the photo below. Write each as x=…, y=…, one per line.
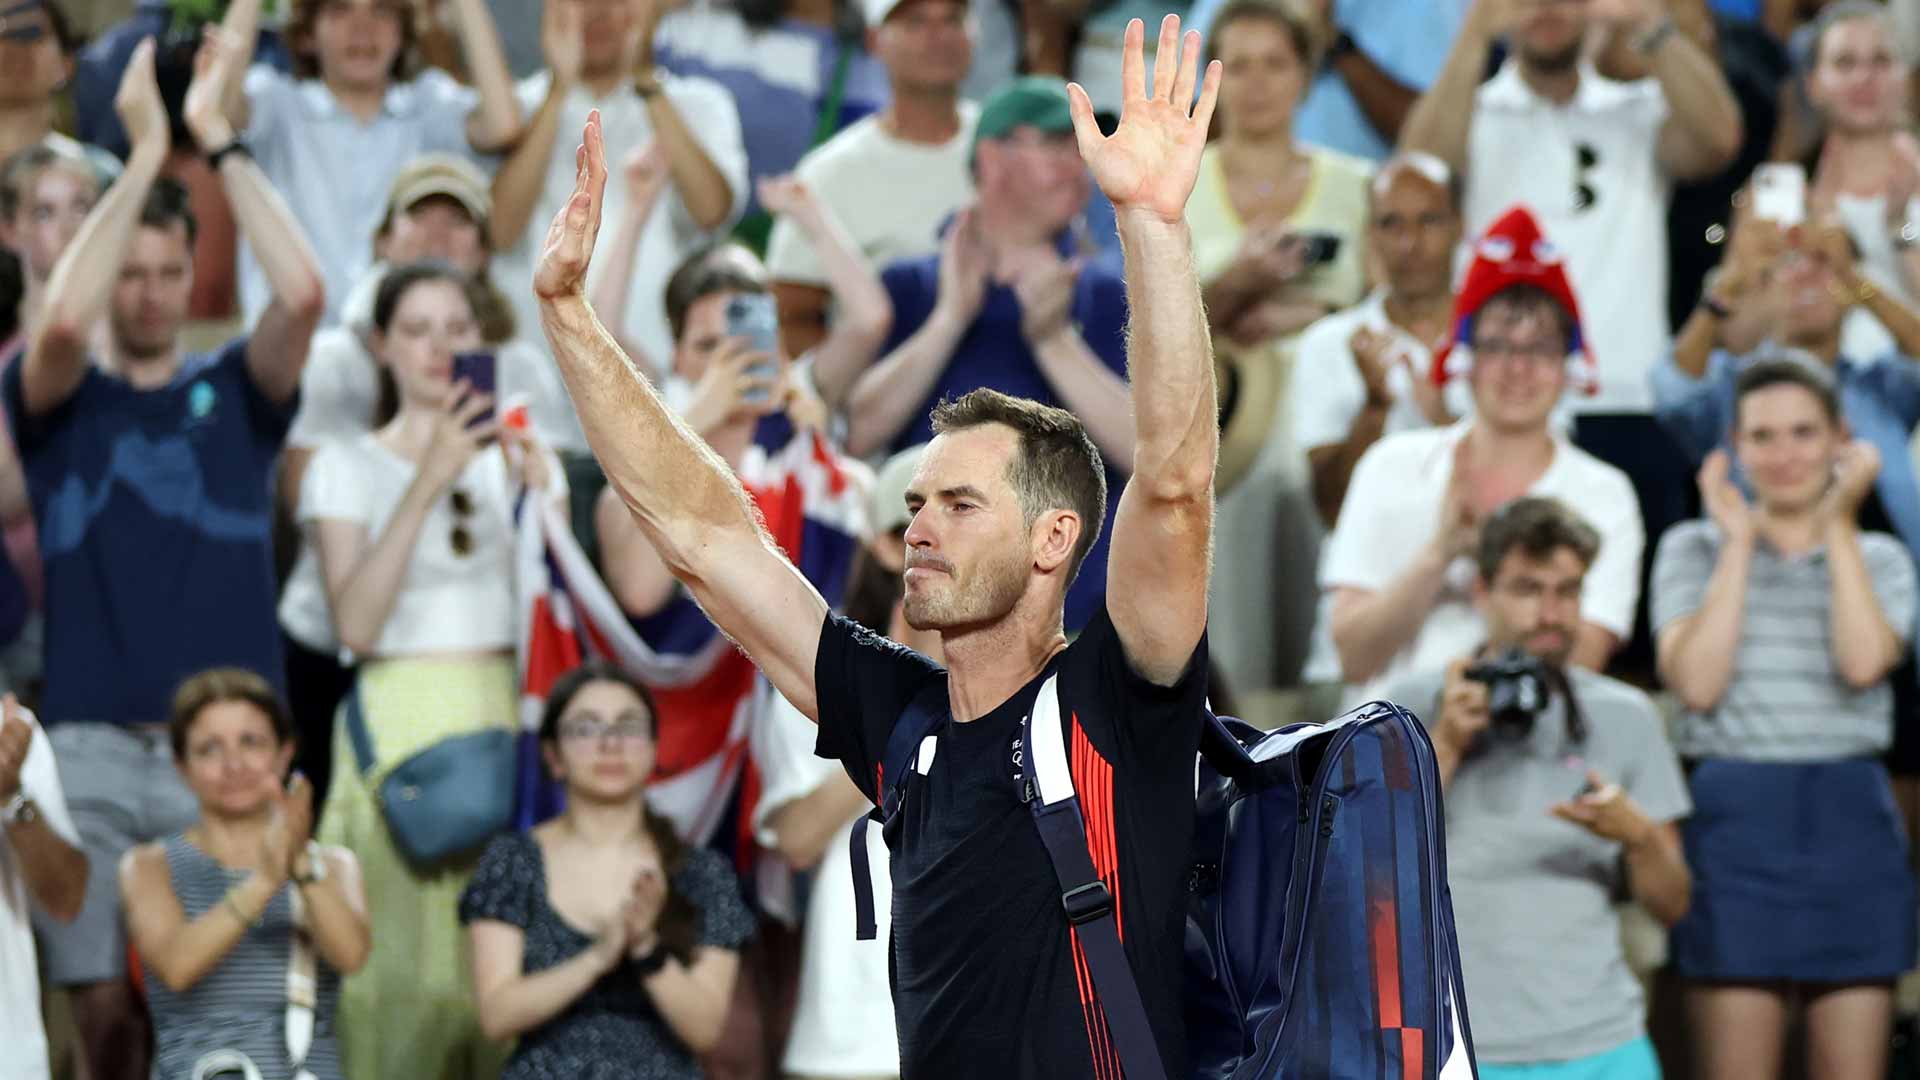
x=1320, y=940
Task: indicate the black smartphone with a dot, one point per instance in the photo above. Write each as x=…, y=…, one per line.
x=479, y=370
x=754, y=317
x=1322, y=247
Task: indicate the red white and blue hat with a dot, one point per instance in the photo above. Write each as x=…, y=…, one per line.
x=1512, y=252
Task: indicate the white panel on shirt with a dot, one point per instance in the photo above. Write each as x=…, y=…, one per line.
x=843, y=1018
x=709, y=113
x=23, y=1042
x=890, y=195
x=1393, y=507
x=1522, y=150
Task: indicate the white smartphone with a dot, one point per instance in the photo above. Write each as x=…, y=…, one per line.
x=1780, y=193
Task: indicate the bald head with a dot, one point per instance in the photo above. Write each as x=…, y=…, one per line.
x=1415, y=225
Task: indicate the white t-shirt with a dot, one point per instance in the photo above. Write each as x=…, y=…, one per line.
x=1526, y=150
x=23, y=1040
x=889, y=194
x=708, y=112
x=843, y=1018
x=1327, y=393
x=448, y=602
x=1393, y=506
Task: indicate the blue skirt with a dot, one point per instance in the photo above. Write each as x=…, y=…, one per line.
x=1799, y=874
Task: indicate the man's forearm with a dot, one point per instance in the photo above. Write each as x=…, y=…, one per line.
x=883, y=400
x=702, y=187
x=497, y=121
x=1369, y=631
x=273, y=233
x=55, y=871
x=865, y=311
x=679, y=490
x=1169, y=360
x=1090, y=390
x=522, y=177
x=1657, y=875
x=83, y=279
x=1701, y=108
x=1382, y=99
x=1442, y=120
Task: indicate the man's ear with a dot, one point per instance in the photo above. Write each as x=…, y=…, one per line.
x=1054, y=537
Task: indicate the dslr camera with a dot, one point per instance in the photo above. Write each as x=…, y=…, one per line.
x=1517, y=689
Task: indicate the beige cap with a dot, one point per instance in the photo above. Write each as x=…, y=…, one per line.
x=442, y=174
x=888, y=505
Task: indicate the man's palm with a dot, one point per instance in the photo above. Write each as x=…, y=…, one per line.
x=570, y=239
x=1150, y=161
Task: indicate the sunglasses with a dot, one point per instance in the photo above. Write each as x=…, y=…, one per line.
x=1585, y=160
x=462, y=504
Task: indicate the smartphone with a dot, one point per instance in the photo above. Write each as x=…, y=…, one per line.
x=754, y=317
x=1780, y=193
x=1322, y=247
x=479, y=371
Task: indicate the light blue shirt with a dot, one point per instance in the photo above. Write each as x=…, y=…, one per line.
x=337, y=172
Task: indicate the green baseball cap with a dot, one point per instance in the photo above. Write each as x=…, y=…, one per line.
x=1037, y=101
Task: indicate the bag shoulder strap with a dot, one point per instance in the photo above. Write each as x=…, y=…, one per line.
x=1048, y=791
x=357, y=732
x=916, y=725
x=302, y=986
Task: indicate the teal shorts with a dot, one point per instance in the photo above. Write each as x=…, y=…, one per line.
x=1629, y=1061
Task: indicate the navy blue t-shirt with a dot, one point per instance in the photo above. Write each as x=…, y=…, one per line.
x=994, y=354
x=155, y=515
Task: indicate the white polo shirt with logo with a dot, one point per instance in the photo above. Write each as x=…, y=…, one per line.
x=1589, y=171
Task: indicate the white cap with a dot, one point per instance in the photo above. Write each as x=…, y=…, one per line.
x=877, y=11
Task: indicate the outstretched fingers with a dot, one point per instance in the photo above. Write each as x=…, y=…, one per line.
x=1166, y=58
x=1189, y=65
x=1086, y=129
x=1133, y=64
x=1209, y=95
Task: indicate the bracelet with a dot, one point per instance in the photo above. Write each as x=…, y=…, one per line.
x=653, y=962
x=1650, y=41
x=647, y=84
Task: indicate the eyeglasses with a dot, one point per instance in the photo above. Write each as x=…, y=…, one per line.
x=592, y=728
x=1530, y=352
x=462, y=505
x=1585, y=160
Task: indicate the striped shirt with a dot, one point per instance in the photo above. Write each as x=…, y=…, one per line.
x=242, y=1003
x=1785, y=701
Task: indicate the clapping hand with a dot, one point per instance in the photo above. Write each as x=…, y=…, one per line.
x=1045, y=290
x=563, y=39
x=645, y=171
x=289, y=826
x=205, y=109
x=143, y=113
x=16, y=737
x=1725, y=505
x=965, y=262
x=1149, y=163
x=1855, y=468
x=570, y=239
x=644, y=905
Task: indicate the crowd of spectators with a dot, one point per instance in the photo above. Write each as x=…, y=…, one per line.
x=1572, y=336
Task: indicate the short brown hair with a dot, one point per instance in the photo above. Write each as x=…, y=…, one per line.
x=1527, y=298
x=1283, y=15
x=306, y=57
x=216, y=686
x=1786, y=371
x=1536, y=526
x=721, y=267
x=1056, y=467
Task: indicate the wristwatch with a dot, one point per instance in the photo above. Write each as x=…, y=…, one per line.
x=316, y=870
x=236, y=145
x=653, y=962
x=646, y=82
x=1650, y=40
x=19, y=810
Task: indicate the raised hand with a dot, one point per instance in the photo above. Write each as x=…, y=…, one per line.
x=644, y=905
x=1374, y=357
x=569, y=248
x=739, y=382
x=16, y=737
x=205, y=111
x=645, y=172
x=1854, y=470
x=290, y=827
x=1149, y=163
x=965, y=262
x=563, y=41
x=1722, y=500
x=1459, y=526
x=1045, y=291
x=143, y=113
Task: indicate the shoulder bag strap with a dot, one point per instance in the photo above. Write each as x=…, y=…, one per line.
x=1048, y=791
